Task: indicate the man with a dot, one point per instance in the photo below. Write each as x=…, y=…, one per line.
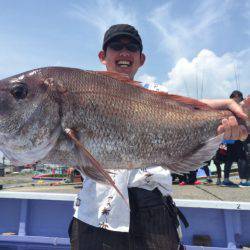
x=102, y=220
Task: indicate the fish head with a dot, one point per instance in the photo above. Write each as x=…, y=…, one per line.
x=29, y=117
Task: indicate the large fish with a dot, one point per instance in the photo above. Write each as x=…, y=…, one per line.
x=100, y=121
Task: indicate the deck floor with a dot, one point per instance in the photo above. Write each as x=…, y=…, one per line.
x=26, y=246
x=197, y=192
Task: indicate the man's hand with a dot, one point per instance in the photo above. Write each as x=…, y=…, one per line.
x=230, y=127
x=232, y=130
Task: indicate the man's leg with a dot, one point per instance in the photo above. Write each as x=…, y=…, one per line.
x=242, y=164
x=192, y=177
x=227, y=170
x=244, y=169
x=218, y=168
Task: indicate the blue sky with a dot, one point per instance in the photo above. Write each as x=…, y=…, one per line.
x=194, y=48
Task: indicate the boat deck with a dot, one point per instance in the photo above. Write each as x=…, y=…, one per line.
x=196, y=192
x=31, y=218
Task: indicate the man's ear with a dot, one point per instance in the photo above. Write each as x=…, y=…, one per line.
x=102, y=57
x=142, y=59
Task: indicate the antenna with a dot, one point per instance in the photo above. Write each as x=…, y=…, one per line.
x=202, y=81
x=236, y=76
x=186, y=87
x=196, y=81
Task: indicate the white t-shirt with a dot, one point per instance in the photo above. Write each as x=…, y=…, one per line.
x=101, y=206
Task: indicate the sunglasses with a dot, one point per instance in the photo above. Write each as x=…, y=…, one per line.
x=133, y=47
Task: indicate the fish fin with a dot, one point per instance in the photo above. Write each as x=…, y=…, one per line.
x=93, y=161
x=181, y=99
x=205, y=152
x=118, y=76
x=189, y=101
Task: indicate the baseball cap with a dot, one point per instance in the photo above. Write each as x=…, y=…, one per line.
x=121, y=30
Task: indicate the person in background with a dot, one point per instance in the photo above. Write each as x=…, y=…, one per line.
x=189, y=179
x=237, y=96
x=236, y=152
x=102, y=220
x=218, y=159
x=247, y=148
x=242, y=162
x=207, y=172
x=231, y=157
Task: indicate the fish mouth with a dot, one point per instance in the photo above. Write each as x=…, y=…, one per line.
x=33, y=155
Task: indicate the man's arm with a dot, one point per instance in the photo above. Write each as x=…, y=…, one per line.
x=226, y=104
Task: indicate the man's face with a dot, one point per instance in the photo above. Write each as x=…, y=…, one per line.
x=122, y=61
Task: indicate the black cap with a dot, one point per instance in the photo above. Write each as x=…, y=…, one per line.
x=121, y=30
x=237, y=93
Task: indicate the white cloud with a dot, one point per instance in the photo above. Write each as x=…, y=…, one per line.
x=182, y=36
x=145, y=78
x=104, y=13
x=210, y=76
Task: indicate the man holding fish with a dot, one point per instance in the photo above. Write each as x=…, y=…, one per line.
x=115, y=132
x=102, y=220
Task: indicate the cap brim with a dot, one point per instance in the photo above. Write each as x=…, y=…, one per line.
x=121, y=34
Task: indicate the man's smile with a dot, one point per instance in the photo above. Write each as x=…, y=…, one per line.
x=124, y=63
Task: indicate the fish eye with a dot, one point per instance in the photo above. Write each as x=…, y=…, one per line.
x=19, y=91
